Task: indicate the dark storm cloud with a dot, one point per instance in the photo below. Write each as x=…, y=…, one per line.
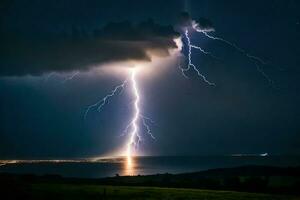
x=185, y=21
x=21, y=55
x=205, y=25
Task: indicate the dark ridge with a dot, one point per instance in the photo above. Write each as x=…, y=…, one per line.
x=261, y=179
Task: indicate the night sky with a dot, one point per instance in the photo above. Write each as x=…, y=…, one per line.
x=42, y=43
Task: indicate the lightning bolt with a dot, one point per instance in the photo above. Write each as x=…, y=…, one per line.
x=65, y=79
x=102, y=102
x=70, y=77
x=243, y=51
x=147, y=126
x=134, y=134
x=204, y=51
x=266, y=76
x=132, y=129
x=257, y=60
x=190, y=63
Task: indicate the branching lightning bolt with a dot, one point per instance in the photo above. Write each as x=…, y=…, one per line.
x=132, y=129
x=134, y=134
x=99, y=104
x=147, y=126
x=203, y=51
x=243, y=51
x=65, y=79
x=70, y=77
x=257, y=60
x=190, y=64
x=271, y=82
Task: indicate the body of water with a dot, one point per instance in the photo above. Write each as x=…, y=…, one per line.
x=140, y=165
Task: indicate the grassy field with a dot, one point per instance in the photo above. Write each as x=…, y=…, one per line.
x=252, y=182
x=70, y=191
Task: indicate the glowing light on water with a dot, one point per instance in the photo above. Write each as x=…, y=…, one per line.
x=129, y=166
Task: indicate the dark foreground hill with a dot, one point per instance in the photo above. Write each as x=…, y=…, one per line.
x=261, y=179
x=273, y=181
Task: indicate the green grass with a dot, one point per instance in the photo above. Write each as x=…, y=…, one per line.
x=70, y=191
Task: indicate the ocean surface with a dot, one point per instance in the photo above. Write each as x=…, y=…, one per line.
x=140, y=165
